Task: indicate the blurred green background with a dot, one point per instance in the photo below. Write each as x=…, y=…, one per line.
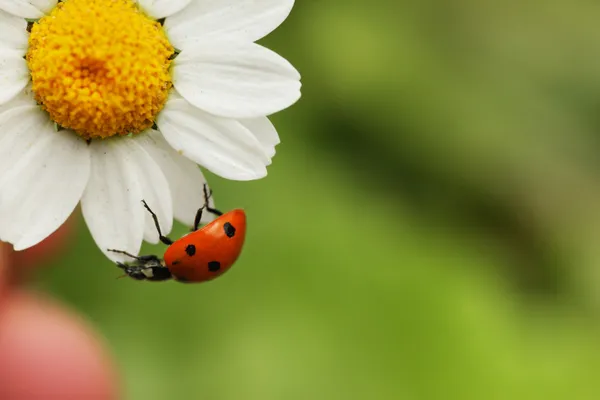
x=428, y=230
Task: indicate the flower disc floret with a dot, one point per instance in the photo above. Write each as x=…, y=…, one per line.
x=100, y=67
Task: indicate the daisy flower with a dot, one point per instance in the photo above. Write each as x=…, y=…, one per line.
x=108, y=102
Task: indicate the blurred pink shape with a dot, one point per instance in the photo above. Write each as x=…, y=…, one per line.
x=49, y=353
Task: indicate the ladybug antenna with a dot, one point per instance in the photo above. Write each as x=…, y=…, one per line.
x=124, y=268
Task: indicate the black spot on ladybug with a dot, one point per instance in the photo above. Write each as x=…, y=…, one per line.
x=176, y=262
x=190, y=250
x=214, y=266
x=229, y=229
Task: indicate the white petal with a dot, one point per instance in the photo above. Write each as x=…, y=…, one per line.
x=13, y=32
x=247, y=20
x=235, y=80
x=162, y=8
x=186, y=181
x=44, y=6
x=14, y=74
x=155, y=191
x=111, y=202
x=28, y=8
x=265, y=132
x=224, y=146
x=43, y=175
x=23, y=98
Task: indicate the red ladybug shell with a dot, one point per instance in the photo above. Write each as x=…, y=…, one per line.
x=210, y=251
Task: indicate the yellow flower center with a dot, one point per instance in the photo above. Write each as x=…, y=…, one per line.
x=100, y=67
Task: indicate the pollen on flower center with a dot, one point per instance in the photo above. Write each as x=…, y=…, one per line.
x=100, y=68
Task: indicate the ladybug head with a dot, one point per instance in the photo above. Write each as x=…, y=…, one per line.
x=132, y=272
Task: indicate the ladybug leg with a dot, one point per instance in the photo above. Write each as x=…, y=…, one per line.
x=198, y=218
x=206, y=206
x=214, y=211
x=207, y=195
x=139, y=258
x=163, y=239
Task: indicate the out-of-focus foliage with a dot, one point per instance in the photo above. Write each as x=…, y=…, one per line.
x=428, y=230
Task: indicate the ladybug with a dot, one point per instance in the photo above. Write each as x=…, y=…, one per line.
x=199, y=256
